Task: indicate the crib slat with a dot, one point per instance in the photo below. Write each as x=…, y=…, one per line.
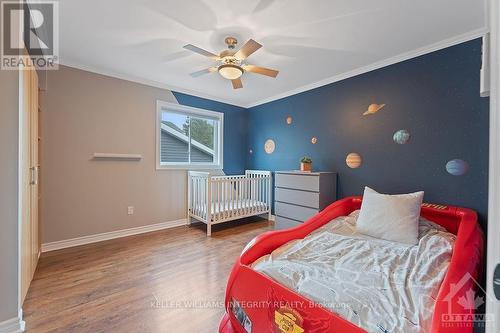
x=226, y=198
x=195, y=194
x=242, y=195
x=259, y=193
x=199, y=197
x=231, y=193
x=257, y=197
x=219, y=198
x=245, y=195
x=263, y=192
x=214, y=199
x=254, y=193
x=233, y=202
x=237, y=202
x=195, y=184
x=250, y=193
x=201, y=193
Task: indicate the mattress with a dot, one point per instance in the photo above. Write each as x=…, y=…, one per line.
x=380, y=286
x=233, y=206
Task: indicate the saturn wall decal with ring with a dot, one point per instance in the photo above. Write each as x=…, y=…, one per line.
x=373, y=108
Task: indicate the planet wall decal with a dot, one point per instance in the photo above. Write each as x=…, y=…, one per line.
x=314, y=140
x=373, y=108
x=269, y=146
x=353, y=160
x=401, y=137
x=457, y=167
x=289, y=120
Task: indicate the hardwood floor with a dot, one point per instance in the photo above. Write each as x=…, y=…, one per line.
x=167, y=281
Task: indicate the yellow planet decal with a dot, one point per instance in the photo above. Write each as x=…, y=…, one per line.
x=353, y=160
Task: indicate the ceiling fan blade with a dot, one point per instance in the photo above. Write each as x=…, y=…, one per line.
x=261, y=70
x=237, y=83
x=204, y=71
x=203, y=52
x=246, y=50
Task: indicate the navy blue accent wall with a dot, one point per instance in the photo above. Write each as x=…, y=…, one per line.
x=235, y=129
x=435, y=97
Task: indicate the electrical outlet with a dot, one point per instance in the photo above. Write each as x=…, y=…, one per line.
x=130, y=210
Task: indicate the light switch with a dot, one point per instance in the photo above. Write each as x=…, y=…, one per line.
x=130, y=210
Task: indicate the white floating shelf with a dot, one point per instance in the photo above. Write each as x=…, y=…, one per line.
x=122, y=157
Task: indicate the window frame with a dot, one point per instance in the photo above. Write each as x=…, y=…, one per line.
x=162, y=106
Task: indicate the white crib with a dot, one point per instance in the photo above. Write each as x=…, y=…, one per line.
x=216, y=199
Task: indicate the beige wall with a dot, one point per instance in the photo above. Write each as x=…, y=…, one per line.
x=9, y=220
x=83, y=113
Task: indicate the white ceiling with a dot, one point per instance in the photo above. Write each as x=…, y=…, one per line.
x=311, y=42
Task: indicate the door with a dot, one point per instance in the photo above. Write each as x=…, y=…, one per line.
x=29, y=161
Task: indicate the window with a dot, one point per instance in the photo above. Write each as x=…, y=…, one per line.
x=188, y=138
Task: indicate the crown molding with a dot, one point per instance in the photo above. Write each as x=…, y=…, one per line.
x=143, y=81
x=379, y=64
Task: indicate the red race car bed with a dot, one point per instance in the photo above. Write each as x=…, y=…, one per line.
x=259, y=304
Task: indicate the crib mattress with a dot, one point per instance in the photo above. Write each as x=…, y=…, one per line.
x=233, y=206
x=380, y=286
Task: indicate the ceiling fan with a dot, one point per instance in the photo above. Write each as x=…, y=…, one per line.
x=230, y=64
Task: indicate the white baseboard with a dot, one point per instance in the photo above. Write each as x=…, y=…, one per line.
x=266, y=216
x=52, y=246
x=13, y=325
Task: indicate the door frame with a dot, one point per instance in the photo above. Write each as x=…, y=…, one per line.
x=493, y=305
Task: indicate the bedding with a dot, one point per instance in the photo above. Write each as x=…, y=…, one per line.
x=378, y=285
x=391, y=217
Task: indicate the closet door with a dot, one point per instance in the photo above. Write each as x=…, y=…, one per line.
x=35, y=170
x=29, y=177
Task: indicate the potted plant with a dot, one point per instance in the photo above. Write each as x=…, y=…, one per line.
x=306, y=164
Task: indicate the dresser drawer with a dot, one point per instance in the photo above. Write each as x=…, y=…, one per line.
x=297, y=197
x=298, y=182
x=284, y=223
x=294, y=212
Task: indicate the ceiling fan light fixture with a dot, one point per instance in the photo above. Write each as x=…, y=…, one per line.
x=230, y=72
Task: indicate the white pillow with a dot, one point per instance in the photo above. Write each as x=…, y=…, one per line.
x=390, y=217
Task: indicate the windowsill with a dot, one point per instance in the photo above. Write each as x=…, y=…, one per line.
x=190, y=167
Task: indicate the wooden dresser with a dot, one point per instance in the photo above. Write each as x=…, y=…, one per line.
x=301, y=195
